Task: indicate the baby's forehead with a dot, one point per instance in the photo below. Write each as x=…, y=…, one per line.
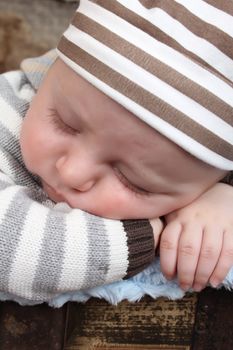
x=122, y=129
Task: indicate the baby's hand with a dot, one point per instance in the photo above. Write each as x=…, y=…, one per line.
x=157, y=226
x=197, y=243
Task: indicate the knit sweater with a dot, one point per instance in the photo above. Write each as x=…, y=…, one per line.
x=46, y=250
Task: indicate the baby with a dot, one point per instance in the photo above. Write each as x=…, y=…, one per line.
x=126, y=127
x=128, y=123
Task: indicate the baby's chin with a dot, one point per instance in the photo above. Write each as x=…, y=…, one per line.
x=60, y=200
x=52, y=193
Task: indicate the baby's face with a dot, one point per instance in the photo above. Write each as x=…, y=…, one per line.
x=95, y=155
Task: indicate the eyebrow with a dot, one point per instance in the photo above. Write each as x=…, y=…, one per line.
x=65, y=108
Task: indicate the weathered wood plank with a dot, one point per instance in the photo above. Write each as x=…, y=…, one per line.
x=214, y=320
x=95, y=345
x=31, y=327
x=149, y=324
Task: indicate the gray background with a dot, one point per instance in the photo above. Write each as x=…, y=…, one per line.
x=31, y=27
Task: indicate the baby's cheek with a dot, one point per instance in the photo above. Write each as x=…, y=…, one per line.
x=114, y=205
x=32, y=151
x=130, y=207
x=26, y=149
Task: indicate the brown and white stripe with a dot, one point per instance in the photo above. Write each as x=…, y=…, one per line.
x=168, y=62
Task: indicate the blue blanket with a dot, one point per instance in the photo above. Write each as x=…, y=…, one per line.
x=148, y=282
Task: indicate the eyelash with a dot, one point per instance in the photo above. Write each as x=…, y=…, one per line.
x=59, y=124
x=136, y=190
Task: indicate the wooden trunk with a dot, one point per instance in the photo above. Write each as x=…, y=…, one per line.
x=197, y=322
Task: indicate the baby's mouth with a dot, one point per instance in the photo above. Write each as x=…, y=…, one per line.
x=52, y=193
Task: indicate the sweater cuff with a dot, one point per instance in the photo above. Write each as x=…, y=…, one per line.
x=228, y=179
x=140, y=240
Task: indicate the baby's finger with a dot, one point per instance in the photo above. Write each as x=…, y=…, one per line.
x=168, y=248
x=225, y=261
x=209, y=255
x=188, y=253
x=157, y=226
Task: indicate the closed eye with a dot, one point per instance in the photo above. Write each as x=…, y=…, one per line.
x=131, y=187
x=59, y=124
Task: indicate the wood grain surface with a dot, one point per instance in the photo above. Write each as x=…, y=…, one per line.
x=149, y=324
x=201, y=321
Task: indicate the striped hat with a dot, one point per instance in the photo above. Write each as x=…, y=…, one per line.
x=168, y=62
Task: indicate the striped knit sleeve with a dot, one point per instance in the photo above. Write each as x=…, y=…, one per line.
x=46, y=251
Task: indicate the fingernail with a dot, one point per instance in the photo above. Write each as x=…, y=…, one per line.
x=214, y=284
x=169, y=278
x=197, y=287
x=185, y=287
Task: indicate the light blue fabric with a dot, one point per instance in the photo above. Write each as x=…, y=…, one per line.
x=148, y=282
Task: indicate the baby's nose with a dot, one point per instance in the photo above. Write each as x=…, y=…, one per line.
x=76, y=174
x=84, y=186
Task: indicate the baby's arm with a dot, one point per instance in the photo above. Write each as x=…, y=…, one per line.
x=197, y=242
x=45, y=251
